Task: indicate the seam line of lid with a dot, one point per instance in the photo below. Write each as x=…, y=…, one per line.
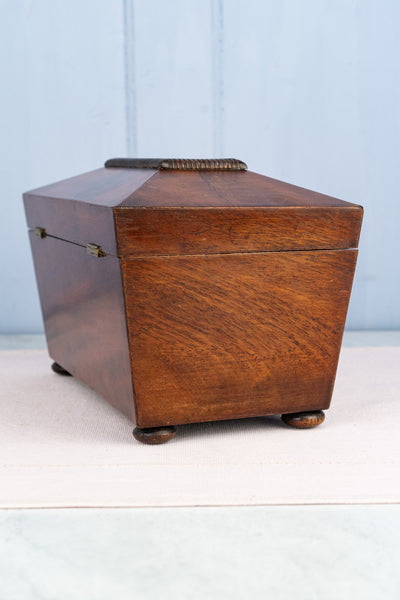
x=146, y=256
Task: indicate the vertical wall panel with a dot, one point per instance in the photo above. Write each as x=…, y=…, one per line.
x=307, y=92
x=173, y=65
x=218, y=76
x=311, y=93
x=62, y=111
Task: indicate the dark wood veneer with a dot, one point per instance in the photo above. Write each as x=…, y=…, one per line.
x=236, y=335
x=163, y=231
x=214, y=295
x=84, y=318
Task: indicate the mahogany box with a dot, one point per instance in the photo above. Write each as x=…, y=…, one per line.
x=194, y=290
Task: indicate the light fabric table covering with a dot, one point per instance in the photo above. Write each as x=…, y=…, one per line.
x=63, y=446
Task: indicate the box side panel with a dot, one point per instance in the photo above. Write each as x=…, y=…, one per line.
x=103, y=187
x=84, y=317
x=238, y=335
x=71, y=220
x=167, y=231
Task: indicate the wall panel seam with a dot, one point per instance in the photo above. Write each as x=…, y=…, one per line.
x=217, y=33
x=130, y=78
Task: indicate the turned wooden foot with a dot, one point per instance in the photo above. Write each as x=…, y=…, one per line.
x=59, y=369
x=304, y=420
x=154, y=435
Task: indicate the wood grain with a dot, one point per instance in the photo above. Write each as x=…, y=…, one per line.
x=232, y=336
x=73, y=221
x=160, y=213
x=103, y=187
x=163, y=231
x=218, y=189
x=84, y=318
x=222, y=295
x=304, y=420
x=79, y=209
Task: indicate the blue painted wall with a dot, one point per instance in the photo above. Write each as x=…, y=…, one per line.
x=303, y=91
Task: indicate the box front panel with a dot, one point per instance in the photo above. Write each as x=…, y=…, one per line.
x=166, y=231
x=84, y=317
x=237, y=335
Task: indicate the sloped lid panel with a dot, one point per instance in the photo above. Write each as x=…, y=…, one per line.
x=79, y=209
x=218, y=189
x=102, y=187
x=144, y=211
x=217, y=212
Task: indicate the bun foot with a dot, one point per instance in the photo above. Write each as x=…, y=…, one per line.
x=154, y=435
x=59, y=369
x=304, y=420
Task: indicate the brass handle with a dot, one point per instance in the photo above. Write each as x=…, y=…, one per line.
x=178, y=164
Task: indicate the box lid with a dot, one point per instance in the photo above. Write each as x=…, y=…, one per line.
x=141, y=207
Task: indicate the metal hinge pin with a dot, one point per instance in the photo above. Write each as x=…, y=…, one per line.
x=95, y=250
x=40, y=232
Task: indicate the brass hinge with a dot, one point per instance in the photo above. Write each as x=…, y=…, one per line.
x=95, y=250
x=40, y=232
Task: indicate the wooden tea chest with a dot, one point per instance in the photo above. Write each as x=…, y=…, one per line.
x=194, y=290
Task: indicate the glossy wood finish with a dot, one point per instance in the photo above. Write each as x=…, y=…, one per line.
x=197, y=213
x=154, y=435
x=80, y=209
x=84, y=318
x=221, y=295
x=304, y=420
x=152, y=188
x=60, y=370
x=236, y=335
x=102, y=187
x=222, y=189
x=164, y=231
x=236, y=211
x=73, y=221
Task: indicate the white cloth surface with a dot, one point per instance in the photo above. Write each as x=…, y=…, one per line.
x=63, y=446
